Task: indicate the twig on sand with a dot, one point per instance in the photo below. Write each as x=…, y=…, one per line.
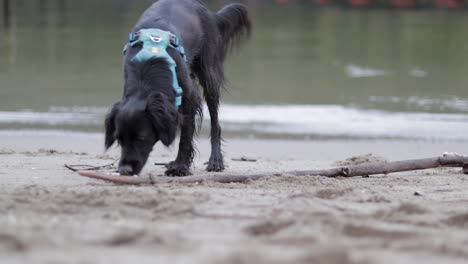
x=245, y=159
x=447, y=160
x=79, y=167
x=70, y=167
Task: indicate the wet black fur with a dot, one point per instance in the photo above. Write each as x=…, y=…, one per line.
x=146, y=113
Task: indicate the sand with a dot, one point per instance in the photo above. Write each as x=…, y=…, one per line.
x=50, y=215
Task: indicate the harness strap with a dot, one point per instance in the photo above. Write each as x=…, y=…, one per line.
x=155, y=43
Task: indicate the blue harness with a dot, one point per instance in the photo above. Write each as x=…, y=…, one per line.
x=154, y=45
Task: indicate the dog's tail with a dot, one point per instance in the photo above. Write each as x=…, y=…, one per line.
x=234, y=24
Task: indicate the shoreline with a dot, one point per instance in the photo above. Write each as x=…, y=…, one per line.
x=321, y=150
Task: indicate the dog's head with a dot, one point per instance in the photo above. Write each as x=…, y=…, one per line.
x=137, y=125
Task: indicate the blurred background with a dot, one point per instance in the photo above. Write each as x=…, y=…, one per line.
x=313, y=69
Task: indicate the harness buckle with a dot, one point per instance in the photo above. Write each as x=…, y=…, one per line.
x=134, y=36
x=174, y=41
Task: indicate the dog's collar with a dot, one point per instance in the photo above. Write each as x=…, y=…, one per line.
x=154, y=45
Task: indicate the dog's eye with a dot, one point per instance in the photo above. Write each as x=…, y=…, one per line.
x=141, y=139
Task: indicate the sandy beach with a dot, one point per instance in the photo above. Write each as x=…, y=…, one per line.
x=51, y=215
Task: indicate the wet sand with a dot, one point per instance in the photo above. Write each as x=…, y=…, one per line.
x=50, y=215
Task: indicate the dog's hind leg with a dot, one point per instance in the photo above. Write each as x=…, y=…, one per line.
x=210, y=73
x=230, y=24
x=216, y=162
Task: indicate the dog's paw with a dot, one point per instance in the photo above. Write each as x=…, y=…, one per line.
x=170, y=164
x=216, y=164
x=177, y=170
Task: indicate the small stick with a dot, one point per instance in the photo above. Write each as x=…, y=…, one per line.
x=90, y=167
x=244, y=159
x=447, y=160
x=70, y=167
x=160, y=164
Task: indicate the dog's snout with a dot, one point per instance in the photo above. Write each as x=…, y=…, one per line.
x=126, y=170
x=129, y=167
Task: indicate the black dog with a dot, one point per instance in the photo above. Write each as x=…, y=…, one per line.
x=150, y=109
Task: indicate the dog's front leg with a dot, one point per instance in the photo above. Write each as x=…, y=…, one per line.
x=181, y=166
x=190, y=105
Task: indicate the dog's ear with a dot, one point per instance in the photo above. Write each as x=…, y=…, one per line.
x=110, y=125
x=163, y=114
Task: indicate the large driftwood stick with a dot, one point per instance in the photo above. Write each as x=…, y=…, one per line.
x=447, y=160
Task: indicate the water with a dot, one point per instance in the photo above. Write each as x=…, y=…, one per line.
x=306, y=73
